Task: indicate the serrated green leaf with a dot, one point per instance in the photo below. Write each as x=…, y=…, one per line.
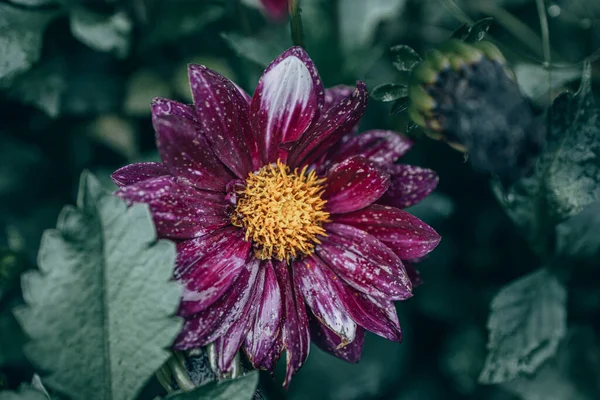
x=241, y=388
x=572, y=375
x=404, y=57
x=578, y=236
x=573, y=173
x=24, y=393
x=108, y=33
x=100, y=310
x=258, y=51
x=527, y=321
x=567, y=173
x=389, y=92
x=21, y=34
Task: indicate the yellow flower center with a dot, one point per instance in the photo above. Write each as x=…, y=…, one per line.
x=281, y=211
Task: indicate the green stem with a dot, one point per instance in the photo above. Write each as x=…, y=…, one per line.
x=296, y=23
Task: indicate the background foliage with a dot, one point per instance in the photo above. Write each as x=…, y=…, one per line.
x=76, y=79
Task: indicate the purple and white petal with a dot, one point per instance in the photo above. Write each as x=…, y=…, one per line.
x=335, y=95
x=206, y=326
x=353, y=184
x=134, y=173
x=378, y=146
x=405, y=234
x=170, y=108
x=295, y=330
x=207, y=266
x=364, y=262
x=179, y=211
x=408, y=185
x=331, y=127
x=228, y=345
x=316, y=282
x=287, y=100
x=265, y=330
x=187, y=154
x=223, y=116
x=328, y=341
x=372, y=313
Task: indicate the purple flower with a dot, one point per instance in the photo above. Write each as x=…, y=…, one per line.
x=285, y=220
x=276, y=9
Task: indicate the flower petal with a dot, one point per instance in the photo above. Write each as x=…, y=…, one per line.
x=276, y=9
x=223, y=116
x=328, y=341
x=296, y=335
x=372, y=313
x=413, y=274
x=331, y=127
x=207, y=266
x=134, y=173
x=409, y=185
x=364, y=262
x=228, y=345
x=405, y=234
x=335, y=95
x=315, y=281
x=179, y=211
x=380, y=147
x=353, y=184
x=208, y=325
x=183, y=149
x=265, y=331
x=287, y=100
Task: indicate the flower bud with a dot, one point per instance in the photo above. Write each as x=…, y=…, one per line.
x=463, y=94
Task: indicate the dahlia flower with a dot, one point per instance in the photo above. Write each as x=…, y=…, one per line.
x=286, y=222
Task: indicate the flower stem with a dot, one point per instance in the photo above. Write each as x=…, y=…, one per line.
x=296, y=23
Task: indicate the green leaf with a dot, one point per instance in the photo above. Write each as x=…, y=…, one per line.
x=107, y=33
x=578, y=236
x=100, y=310
x=241, y=388
x=42, y=86
x=24, y=393
x=258, y=51
x=567, y=174
x=389, y=92
x=536, y=81
x=573, y=171
x=404, y=57
x=526, y=324
x=475, y=32
x=400, y=106
x=572, y=375
x=169, y=21
x=359, y=20
x=21, y=33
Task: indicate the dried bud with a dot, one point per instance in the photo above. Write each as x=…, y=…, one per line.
x=463, y=94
